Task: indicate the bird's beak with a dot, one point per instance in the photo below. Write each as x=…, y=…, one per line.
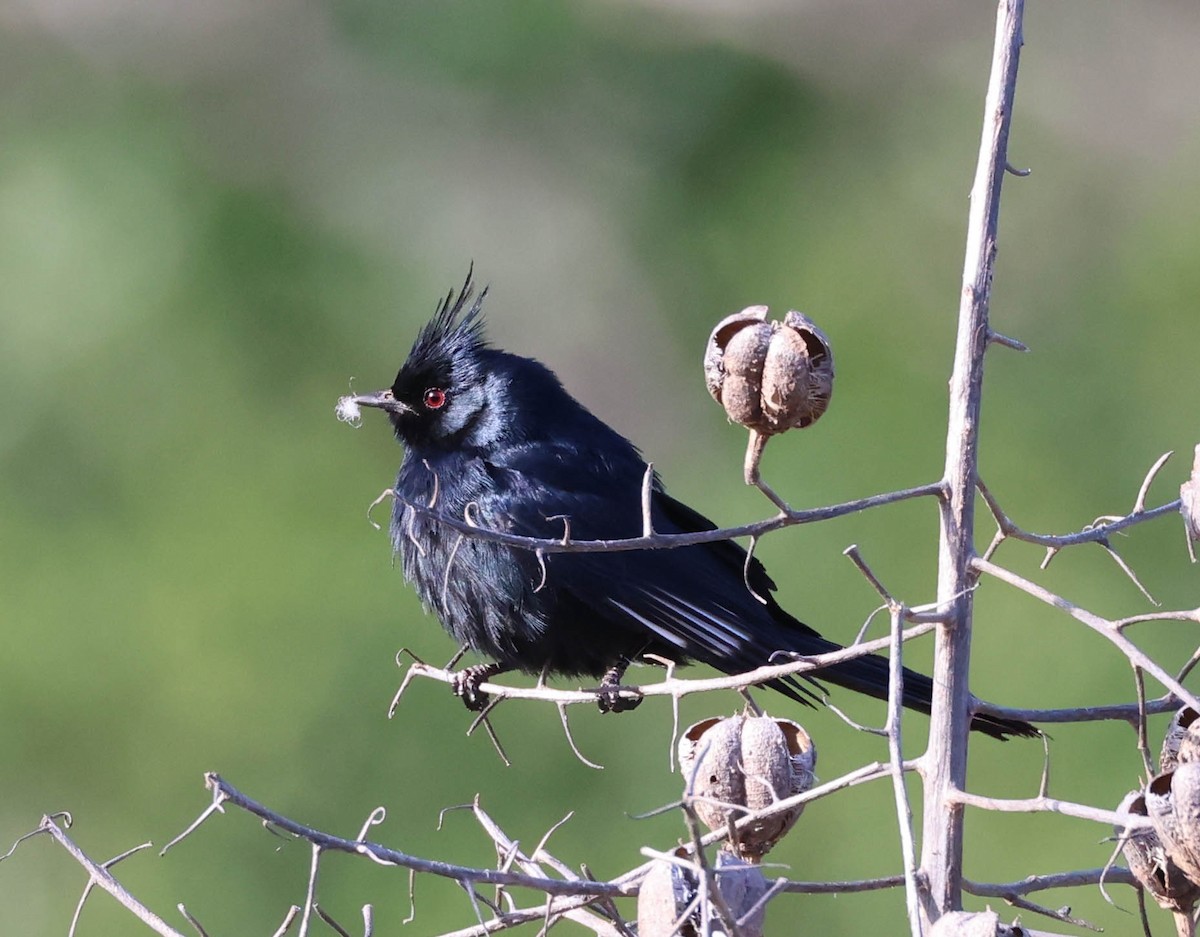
x=381, y=400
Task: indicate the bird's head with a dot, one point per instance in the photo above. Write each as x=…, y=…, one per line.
x=440, y=393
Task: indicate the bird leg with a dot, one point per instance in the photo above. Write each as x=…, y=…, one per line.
x=614, y=698
x=466, y=684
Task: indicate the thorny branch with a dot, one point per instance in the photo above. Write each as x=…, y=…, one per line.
x=469, y=525
x=1101, y=626
x=580, y=898
x=98, y=874
x=674, y=687
x=942, y=832
x=1096, y=532
x=384, y=855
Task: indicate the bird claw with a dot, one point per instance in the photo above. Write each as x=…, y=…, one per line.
x=466, y=684
x=614, y=698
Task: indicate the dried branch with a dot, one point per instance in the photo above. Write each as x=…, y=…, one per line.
x=188, y=916
x=1035, y=883
x=845, y=887
x=674, y=687
x=1050, y=805
x=532, y=865
x=98, y=875
x=1100, y=625
x=387, y=856
x=904, y=817
x=1191, y=614
x=1092, y=533
x=945, y=762
x=469, y=525
x=1122, y=712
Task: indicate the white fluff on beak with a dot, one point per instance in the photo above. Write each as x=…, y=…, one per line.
x=347, y=411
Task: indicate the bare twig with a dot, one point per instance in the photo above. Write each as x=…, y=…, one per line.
x=1035, y=883
x=856, y=557
x=532, y=865
x=995, y=338
x=1123, y=712
x=310, y=896
x=214, y=807
x=904, y=818
x=659, y=541
x=98, y=875
x=386, y=856
x=1128, y=571
x=675, y=687
x=566, y=724
x=1143, y=743
x=1100, y=625
x=945, y=762
x=1058, y=914
x=288, y=918
x=647, y=501
x=1092, y=533
x=1050, y=805
x=191, y=919
x=324, y=916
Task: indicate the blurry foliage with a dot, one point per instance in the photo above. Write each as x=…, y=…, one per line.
x=211, y=219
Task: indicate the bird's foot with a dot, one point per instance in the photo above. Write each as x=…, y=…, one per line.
x=615, y=698
x=467, y=681
x=618, y=699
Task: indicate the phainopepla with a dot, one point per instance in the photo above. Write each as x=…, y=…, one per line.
x=495, y=436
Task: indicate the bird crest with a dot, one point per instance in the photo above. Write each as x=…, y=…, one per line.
x=455, y=333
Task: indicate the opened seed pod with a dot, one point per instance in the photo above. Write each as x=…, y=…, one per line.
x=770, y=376
x=664, y=895
x=738, y=765
x=1149, y=862
x=742, y=886
x=669, y=889
x=1189, y=505
x=1173, y=805
x=1177, y=733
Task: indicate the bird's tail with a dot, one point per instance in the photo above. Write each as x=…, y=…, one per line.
x=870, y=675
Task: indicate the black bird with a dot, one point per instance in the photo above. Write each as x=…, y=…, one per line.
x=496, y=436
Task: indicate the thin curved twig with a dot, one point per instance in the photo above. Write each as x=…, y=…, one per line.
x=659, y=541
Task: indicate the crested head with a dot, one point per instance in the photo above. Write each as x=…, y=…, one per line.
x=455, y=393
x=454, y=334
x=439, y=389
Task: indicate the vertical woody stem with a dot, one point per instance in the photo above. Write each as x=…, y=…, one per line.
x=945, y=762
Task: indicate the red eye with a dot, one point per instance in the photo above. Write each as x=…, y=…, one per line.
x=435, y=398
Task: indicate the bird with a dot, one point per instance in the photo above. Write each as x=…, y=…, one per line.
x=493, y=440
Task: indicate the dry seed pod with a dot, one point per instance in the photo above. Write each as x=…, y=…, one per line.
x=769, y=376
x=1189, y=505
x=742, y=886
x=751, y=763
x=668, y=889
x=1189, y=745
x=665, y=893
x=1175, y=737
x=1173, y=805
x=1150, y=864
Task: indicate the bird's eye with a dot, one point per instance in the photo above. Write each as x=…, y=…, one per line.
x=435, y=398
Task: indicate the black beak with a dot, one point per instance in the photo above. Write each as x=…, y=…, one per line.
x=381, y=400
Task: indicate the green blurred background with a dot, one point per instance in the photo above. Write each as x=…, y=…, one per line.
x=213, y=216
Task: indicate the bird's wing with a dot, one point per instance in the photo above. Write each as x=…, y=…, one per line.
x=701, y=602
